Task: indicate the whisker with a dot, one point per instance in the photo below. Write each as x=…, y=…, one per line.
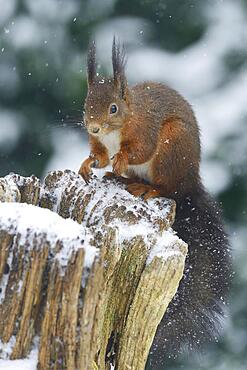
x=65, y=125
x=65, y=120
x=51, y=128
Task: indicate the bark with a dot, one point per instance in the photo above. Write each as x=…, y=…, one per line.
x=86, y=315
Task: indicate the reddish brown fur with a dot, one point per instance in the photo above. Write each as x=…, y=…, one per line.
x=154, y=122
x=173, y=162
x=98, y=152
x=135, y=145
x=98, y=155
x=120, y=162
x=155, y=125
x=154, y=138
x=145, y=190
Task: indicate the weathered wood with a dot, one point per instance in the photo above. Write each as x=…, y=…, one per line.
x=158, y=283
x=28, y=188
x=61, y=315
x=9, y=191
x=87, y=312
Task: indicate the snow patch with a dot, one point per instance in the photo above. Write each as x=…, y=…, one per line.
x=29, y=363
x=30, y=221
x=6, y=348
x=168, y=244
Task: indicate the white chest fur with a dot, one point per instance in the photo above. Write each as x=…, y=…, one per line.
x=141, y=170
x=111, y=142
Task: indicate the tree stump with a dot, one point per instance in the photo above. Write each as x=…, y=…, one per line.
x=87, y=269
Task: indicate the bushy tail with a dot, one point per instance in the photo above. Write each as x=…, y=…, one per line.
x=194, y=315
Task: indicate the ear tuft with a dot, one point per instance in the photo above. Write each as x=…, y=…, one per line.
x=91, y=62
x=119, y=62
x=118, y=59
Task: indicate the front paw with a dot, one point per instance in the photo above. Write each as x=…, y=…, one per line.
x=120, y=163
x=86, y=169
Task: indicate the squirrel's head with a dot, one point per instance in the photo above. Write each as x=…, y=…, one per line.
x=107, y=101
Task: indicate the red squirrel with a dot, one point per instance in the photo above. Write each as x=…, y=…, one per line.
x=150, y=133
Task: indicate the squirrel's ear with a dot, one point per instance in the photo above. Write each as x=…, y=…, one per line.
x=118, y=63
x=91, y=63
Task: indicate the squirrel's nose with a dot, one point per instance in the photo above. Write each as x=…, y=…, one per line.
x=94, y=129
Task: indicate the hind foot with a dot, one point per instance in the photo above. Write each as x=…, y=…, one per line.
x=145, y=191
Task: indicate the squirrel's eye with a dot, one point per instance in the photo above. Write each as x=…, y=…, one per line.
x=113, y=109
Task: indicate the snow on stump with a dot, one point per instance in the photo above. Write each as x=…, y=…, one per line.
x=86, y=270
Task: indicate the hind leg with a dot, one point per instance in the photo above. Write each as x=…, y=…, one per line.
x=144, y=190
x=123, y=180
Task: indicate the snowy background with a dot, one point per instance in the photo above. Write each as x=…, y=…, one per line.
x=198, y=47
